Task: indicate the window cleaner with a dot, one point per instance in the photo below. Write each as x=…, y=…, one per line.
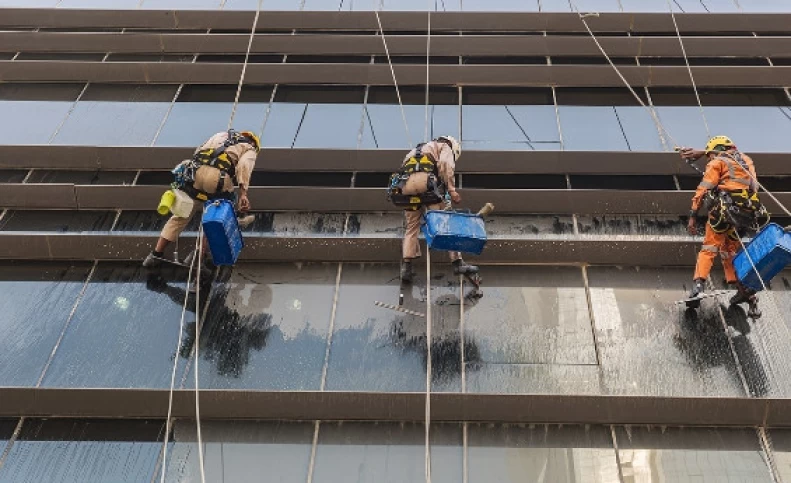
x=425, y=182
x=729, y=193
x=225, y=159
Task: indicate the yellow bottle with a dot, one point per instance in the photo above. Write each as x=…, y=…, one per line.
x=168, y=197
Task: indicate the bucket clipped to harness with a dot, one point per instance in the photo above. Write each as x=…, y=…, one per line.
x=417, y=163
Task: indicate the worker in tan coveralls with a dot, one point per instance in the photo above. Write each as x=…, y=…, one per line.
x=437, y=158
x=226, y=158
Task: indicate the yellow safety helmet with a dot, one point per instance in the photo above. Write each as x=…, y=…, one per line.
x=254, y=138
x=718, y=142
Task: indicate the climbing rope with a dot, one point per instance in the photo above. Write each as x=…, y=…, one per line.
x=392, y=73
x=429, y=364
x=198, y=258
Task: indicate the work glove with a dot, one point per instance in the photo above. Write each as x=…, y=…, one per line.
x=692, y=226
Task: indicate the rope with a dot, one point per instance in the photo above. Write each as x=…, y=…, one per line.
x=199, y=260
x=689, y=69
x=392, y=73
x=428, y=48
x=429, y=368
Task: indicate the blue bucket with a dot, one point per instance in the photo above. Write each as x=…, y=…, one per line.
x=770, y=251
x=222, y=231
x=454, y=231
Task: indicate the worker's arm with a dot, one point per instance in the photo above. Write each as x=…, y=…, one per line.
x=711, y=178
x=447, y=170
x=244, y=170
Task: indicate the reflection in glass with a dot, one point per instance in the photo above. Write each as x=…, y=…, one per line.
x=81, y=177
x=123, y=334
x=12, y=175
x=182, y=4
x=57, y=221
x=591, y=128
x=562, y=454
x=265, y=328
x=391, y=452
x=510, y=127
x=45, y=115
x=690, y=454
x=241, y=451
x=100, y=4
x=65, y=450
x=35, y=302
x=639, y=128
x=500, y=5
x=376, y=349
x=329, y=126
x=384, y=125
x=192, y=123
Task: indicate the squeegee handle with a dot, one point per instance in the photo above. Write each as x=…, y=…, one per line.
x=487, y=208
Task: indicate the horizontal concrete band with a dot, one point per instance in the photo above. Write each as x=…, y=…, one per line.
x=659, y=22
x=441, y=45
x=118, y=158
x=380, y=74
x=592, y=250
x=363, y=200
x=373, y=406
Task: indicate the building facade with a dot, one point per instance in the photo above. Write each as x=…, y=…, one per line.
x=576, y=365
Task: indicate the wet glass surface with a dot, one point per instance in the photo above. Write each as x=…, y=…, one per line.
x=649, y=345
x=57, y=220
x=80, y=451
x=387, y=452
x=192, y=123
x=510, y=127
x=266, y=328
x=377, y=349
x=516, y=453
x=390, y=225
x=653, y=225
x=131, y=220
x=329, y=126
x=509, y=226
x=384, y=125
x=297, y=224
x=81, y=177
x=532, y=378
x=45, y=115
x=690, y=454
x=781, y=448
x=116, y=116
x=125, y=330
x=35, y=302
x=12, y=175
x=241, y=451
x=542, y=317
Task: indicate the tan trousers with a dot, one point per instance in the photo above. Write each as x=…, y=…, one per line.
x=206, y=179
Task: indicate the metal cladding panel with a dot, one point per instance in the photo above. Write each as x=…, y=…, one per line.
x=323, y=44
x=59, y=196
x=379, y=74
x=287, y=21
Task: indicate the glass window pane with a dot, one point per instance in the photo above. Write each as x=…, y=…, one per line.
x=124, y=332
x=45, y=115
x=182, y=4
x=282, y=125
x=562, y=454
x=653, y=225
x=330, y=126
x=57, y=220
x=376, y=349
x=684, y=123
x=591, y=128
x=266, y=328
x=554, y=5
x=500, y=5
x=645, y=6
x=35, y=301
x=722, y=6
x=649, y=346
x=81, y=177
x=28, y=3
x=597, y=5
x=241, y=451
x=268, y=5
x=149, y=221
x=688, y=6
x=100, y=4
x=298, y=224
x=81, y=451
x=768, y=6
x=688, y=454
x=405, y=5
x=12, y=175
x=117, y=115
x=384, y=125
x=781, y=449
x=384, y=451
x=192, y=123
x=510, y=127
x=640, y=129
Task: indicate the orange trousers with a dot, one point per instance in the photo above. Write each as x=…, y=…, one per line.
x=726, y=244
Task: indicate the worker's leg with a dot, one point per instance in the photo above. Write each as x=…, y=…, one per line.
x=170, y=233
x=708, y=252
x=410, y=247
x=728, y=251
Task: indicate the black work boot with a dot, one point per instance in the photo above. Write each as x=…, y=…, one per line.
x=406, y=271
x=747, y=295
x=698, y=288
x=460, y=267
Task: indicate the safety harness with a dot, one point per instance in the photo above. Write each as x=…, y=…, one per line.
x=419, y=162
x=216, y=158
x=737, y=211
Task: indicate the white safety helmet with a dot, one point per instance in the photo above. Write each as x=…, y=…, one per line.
x=455, y=146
